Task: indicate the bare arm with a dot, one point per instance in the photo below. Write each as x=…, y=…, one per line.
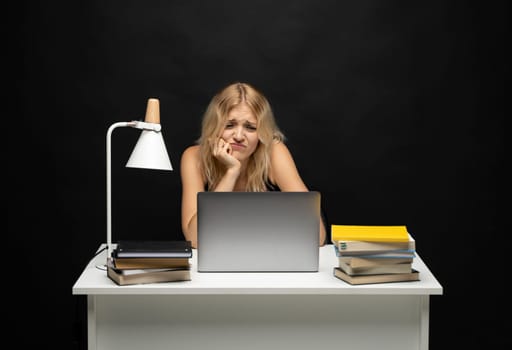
x=193, y=181
x=284, y=174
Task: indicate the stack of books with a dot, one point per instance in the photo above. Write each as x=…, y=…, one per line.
x=141, y=262
x=373, y=254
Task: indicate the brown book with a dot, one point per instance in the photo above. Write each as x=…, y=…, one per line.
x=375, y=269
x=361, y=261
x=414, y=275
x=144, y=276
x=150, y=263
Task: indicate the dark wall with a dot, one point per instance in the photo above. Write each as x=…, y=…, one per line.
x=393, y=110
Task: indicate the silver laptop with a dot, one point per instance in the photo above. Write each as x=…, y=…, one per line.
x=258, y=231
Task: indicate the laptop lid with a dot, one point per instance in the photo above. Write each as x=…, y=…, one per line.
x=258, y=231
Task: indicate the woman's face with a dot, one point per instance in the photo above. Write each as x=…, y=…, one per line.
x=240, y=131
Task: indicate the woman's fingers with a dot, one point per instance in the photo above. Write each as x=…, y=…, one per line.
x=224, y=146
x=227, y=148
x=220, y=147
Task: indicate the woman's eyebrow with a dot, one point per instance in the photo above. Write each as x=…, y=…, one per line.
x=246, y=121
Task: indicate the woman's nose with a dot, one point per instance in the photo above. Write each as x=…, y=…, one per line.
x=239, y=133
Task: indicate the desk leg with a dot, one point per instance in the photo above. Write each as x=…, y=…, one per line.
x=91, y=322
x=424, y=321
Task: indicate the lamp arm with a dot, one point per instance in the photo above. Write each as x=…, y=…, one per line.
x=133, y=124
x=109, y=181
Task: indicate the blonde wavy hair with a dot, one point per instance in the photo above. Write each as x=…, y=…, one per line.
x=214, y=121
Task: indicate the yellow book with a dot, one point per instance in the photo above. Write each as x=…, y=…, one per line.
x=369, y=233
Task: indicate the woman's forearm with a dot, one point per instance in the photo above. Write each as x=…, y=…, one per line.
x=190, y=231
x=228, y=181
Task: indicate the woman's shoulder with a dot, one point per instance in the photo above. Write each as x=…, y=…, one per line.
x=191, y=165
x=278, y=150
x=190, y=157
x=278, y=146
x=281, y=162
x=190, y=152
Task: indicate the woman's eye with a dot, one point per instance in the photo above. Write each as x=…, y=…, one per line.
x=229, y=126
x=250, y=127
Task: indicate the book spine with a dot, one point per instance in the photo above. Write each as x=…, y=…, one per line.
x=397, y=253
x=364, y=246
x=356, y=262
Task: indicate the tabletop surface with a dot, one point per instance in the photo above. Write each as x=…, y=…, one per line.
x=94, y=281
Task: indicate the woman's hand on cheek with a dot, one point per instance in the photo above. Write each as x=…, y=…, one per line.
x=223, y=152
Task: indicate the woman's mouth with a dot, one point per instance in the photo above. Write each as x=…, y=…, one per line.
x=237, y=146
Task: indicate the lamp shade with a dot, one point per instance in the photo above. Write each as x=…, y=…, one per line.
x=150, y=152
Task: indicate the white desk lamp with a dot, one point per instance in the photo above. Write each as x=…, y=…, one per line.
x=149, y=153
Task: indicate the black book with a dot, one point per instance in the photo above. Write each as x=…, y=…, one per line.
x=142, y=276
x=153, y=249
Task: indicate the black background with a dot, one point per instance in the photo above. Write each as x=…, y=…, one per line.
x=393, y=110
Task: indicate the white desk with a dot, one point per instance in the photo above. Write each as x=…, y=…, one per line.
x=258, y=311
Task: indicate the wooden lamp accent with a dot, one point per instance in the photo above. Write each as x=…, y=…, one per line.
x=153, y=111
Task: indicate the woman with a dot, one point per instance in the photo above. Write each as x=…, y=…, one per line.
x=240, y=149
